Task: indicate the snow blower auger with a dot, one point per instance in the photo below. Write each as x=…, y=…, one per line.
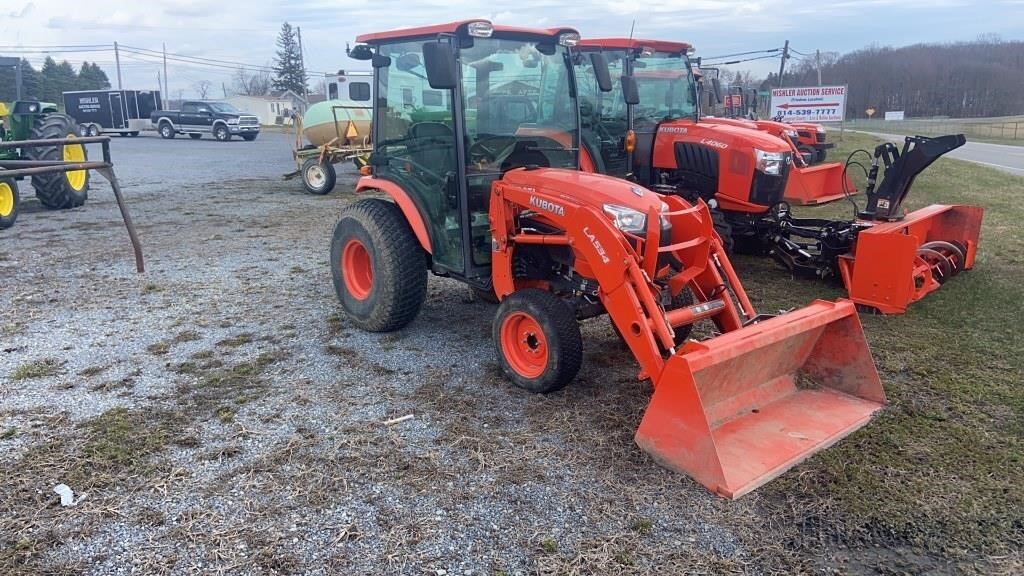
x=885, y=258
x=500, y=204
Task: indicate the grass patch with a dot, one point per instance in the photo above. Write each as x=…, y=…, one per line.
x=238, y=340
x=37, y=369
x=218, y=388
x=161, y=348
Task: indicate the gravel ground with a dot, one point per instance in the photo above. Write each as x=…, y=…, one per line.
x=220, y=416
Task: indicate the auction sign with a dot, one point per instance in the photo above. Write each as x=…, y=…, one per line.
x=809, y=104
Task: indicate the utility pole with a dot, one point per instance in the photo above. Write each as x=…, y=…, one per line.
x=165, y=70
x=782, y=65
x=302, y=62
x=117, y=60
x=817, y=59
x=17, y=78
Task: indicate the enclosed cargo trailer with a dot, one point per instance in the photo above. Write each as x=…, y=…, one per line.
x=125, y=112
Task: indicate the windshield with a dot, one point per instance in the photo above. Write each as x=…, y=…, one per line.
x=666, y=87
x=519, y=107
x=224, y=107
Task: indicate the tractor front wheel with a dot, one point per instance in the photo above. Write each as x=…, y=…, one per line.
x=9, y=202
x=378, y=266
x=724, y=229
x=59, y=190
x=538, y=340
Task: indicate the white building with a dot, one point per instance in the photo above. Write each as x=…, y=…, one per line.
x=275, y=108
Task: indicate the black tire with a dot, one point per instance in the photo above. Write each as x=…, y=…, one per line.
x=397, y=285
x=133, y=133
x=318, y=177
x=166, y=131
x=822, y=155
x=724, y=229
x=58, y=190
x=809, y=154
x=249, y=137
x=221, y=133
x=10, y=201
x=559, y=339
x=195, y=136
x=94, y=130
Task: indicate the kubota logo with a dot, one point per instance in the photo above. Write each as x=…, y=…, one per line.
x=673, y=129
x=714, y=143
x=546, y=205
x=597, y=245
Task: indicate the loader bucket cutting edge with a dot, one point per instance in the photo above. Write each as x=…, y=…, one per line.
x=736, y=411
x=819, y=184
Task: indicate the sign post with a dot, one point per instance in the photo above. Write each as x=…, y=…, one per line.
x=810, y=104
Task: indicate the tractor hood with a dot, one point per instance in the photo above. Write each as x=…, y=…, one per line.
x=596, y=190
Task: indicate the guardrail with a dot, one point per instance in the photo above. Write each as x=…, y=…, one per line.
x=1011, y=131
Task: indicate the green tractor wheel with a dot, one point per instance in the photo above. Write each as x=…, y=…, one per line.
x=9, y=201
x=59, y=190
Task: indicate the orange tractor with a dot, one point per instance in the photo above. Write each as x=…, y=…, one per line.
x=651, y=133
x=476, y=148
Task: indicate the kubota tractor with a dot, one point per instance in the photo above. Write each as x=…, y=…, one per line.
x=476, y=148
x=32, y=120
x=650, y=132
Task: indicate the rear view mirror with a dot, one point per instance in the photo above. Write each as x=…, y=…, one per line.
x=716, y=89
x=360, y=52
x=439, y=60
x=601, y=72
x=630, y=91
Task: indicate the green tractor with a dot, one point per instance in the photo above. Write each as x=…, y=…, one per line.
x=32, y=120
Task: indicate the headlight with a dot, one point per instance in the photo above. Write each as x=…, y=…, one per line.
x=232, y=120
x=792, y=134
x=770, y=162
x=480, y=29
x=569, y=39
x=820, y=129
x=626, y=219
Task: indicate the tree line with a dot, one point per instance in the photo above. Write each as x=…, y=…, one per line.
x=52, y=80
x=964, y=79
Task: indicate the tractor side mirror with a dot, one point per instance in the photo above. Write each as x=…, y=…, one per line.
x=601, y=72
x=630, y=91
x=716, y=89
x=439, y=60
x=361, y=52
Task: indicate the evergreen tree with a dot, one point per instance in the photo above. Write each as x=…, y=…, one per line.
x=29, y=82
x=289, y=73
x=92, y=77
x=57, y=79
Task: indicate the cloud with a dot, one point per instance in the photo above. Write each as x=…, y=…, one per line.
x=25, y=11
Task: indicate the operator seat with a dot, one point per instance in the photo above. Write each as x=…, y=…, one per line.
x=432, y=146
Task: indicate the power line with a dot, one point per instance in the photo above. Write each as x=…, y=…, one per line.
x=731, y=62
x=769, y=51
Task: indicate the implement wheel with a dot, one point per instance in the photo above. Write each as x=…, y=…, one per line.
x=378, y=266
x=59, y=190
x=318, y=177
x=538, y=340
x=9, y=202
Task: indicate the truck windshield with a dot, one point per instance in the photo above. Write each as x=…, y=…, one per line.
x=666, y=87
x=519, y=105
x=224, y=107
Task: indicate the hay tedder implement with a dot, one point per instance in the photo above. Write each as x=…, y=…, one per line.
x=484, y=186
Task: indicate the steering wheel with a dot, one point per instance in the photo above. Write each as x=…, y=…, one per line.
x=485, y=150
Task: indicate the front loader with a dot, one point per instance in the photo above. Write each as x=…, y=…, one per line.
x=492, y=195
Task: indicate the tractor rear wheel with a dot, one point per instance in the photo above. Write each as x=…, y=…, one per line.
x=538, y=340
x=59, y=190
x=378, y=266
x=9, y=202
x=318, y=177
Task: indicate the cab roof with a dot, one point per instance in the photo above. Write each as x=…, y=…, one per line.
x=632, y=44
x=455, y=28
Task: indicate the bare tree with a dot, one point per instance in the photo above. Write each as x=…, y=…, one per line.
x=203, y=88
x=256, y=83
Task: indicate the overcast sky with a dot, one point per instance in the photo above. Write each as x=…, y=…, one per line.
x=245, y=30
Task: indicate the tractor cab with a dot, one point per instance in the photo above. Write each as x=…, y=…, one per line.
x=457, y=107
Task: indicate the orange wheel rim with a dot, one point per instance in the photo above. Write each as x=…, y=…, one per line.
x=357, y=269
x=524, y=345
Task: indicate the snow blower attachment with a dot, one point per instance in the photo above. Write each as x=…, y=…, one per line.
x=886, y=260
x=504, y=208
x=819, y=184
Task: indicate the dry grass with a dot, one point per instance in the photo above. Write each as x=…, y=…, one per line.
x=38, y=369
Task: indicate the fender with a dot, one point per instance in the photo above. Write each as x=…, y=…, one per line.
x=167, y=119
x=405, y=203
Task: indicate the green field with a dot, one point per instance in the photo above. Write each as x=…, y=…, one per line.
x=936, y=482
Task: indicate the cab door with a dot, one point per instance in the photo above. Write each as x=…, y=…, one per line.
x=116, y=111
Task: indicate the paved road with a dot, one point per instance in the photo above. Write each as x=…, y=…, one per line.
x=1000, y=156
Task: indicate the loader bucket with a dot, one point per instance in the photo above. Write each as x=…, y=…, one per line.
x=817, y=184
x=736, y=411
x=894, y=264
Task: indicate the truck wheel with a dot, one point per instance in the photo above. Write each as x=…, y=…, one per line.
x=195, y=136
x=9, y=202
x=166, y=130
x=221, y=133
x=133, y=133
x=378, y=266
x=538, y=340
x=318, y=177
x=59, y=190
